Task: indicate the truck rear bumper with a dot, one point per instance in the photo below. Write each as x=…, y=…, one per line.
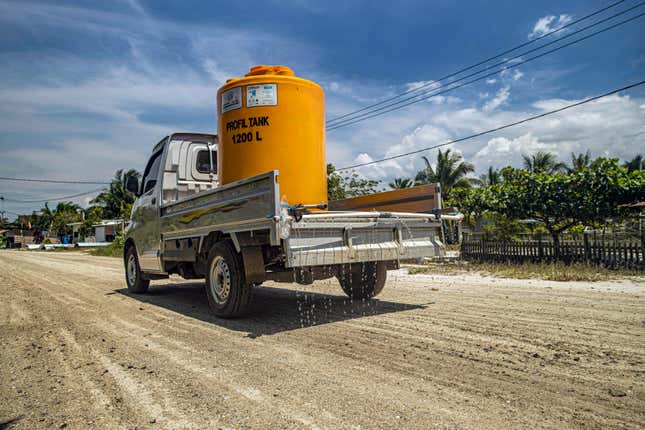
x=351, y=237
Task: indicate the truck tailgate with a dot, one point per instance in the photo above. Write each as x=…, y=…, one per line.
x=348, y=237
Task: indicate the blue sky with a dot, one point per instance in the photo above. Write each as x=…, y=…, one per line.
x=88, y=87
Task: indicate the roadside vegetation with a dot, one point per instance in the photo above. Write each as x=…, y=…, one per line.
x=545, y=271
x=556, y=197
x=113, y=202
x=115, y=249
x=544, y=199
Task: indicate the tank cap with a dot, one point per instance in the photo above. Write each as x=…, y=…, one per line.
x=270, y=70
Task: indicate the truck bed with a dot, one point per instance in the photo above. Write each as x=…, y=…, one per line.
x=324, y=238
x=246, y=205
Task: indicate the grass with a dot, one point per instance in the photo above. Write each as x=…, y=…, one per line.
x=65, y=249
x=113, y=250
x=453, y=247
x=545, y=271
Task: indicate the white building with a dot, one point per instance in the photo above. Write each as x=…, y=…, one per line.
x=107, y=229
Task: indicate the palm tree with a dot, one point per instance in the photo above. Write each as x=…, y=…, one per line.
x=579, y=162
x=56, y=220
x=450, y=172
x=401, y=183
x=45, y=219
x=635, y=163
x=543, y=162
x=491, y=177
x=116, y=201
x=65, y=213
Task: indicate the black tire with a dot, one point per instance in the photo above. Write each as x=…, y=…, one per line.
x=362, y=280
x=227, y=291
x=134, y=278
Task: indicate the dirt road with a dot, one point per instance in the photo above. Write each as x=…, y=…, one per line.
x=432, y=352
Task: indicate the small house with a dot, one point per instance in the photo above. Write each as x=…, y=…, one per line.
x=106, y=230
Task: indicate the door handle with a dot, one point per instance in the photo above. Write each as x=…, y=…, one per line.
x=154, y=200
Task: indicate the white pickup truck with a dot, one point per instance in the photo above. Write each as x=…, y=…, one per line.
x=239, y=235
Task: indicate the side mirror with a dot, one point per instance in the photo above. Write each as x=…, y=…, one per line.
x=132, y=185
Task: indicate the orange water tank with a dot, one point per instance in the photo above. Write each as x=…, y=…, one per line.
x=272, y=120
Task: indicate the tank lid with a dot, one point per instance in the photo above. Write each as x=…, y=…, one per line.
x=270, y=70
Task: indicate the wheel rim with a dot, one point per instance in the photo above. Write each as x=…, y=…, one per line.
x=132, y=269
x=220, y=280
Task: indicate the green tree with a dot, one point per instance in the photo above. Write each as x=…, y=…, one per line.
x=491, y=177
x=450, y=171
x=400, y=183
x=561, y=201
x=635, y=163
x=501, y=228
x=470, y=202
x=346, y=186
x=116, y=201
x=543, y=162
x=56, y=220
x=44, y=220
x=579, y=161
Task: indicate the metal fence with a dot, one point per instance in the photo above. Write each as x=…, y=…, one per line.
x=587, y=249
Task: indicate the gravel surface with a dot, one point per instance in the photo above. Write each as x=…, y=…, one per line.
x=77, y=351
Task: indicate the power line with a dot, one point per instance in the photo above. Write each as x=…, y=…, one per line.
x=53, y=181
x=465, y=69
x=506, y=61
x=472, y=136
x=383, y=110
x=55, y=198
x=425, y=96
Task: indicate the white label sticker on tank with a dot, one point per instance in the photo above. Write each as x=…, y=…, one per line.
x=232, y=99
x=261, y=95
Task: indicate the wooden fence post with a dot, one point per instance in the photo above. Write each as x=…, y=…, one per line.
x=587, y=257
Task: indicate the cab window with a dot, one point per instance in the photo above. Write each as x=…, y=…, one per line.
x=151, y=173
x=204, y=161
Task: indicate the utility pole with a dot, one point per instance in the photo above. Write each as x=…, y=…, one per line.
x=2, y=211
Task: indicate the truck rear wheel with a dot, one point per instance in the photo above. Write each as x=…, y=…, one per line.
x=226, y=288
x=362, y=280
x=133, y=276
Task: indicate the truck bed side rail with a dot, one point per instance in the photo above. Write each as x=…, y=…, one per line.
x=249, y=204
x=350, y=237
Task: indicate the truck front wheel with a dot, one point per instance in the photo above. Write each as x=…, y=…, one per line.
x=133, y=276
x=362, y=280
x=226, y=288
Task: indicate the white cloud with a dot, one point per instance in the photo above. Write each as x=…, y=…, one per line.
x=427, y=85
x=491, y=81
x=517, y=75
x=500, y=98
x=548, y=23
x=421, y=137
x=612, y=126
x=75, y=115
x=504, y=151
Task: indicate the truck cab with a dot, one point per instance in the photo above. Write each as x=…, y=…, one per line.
x=180, y=166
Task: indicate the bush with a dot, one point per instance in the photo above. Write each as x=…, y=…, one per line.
x=115, y=249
